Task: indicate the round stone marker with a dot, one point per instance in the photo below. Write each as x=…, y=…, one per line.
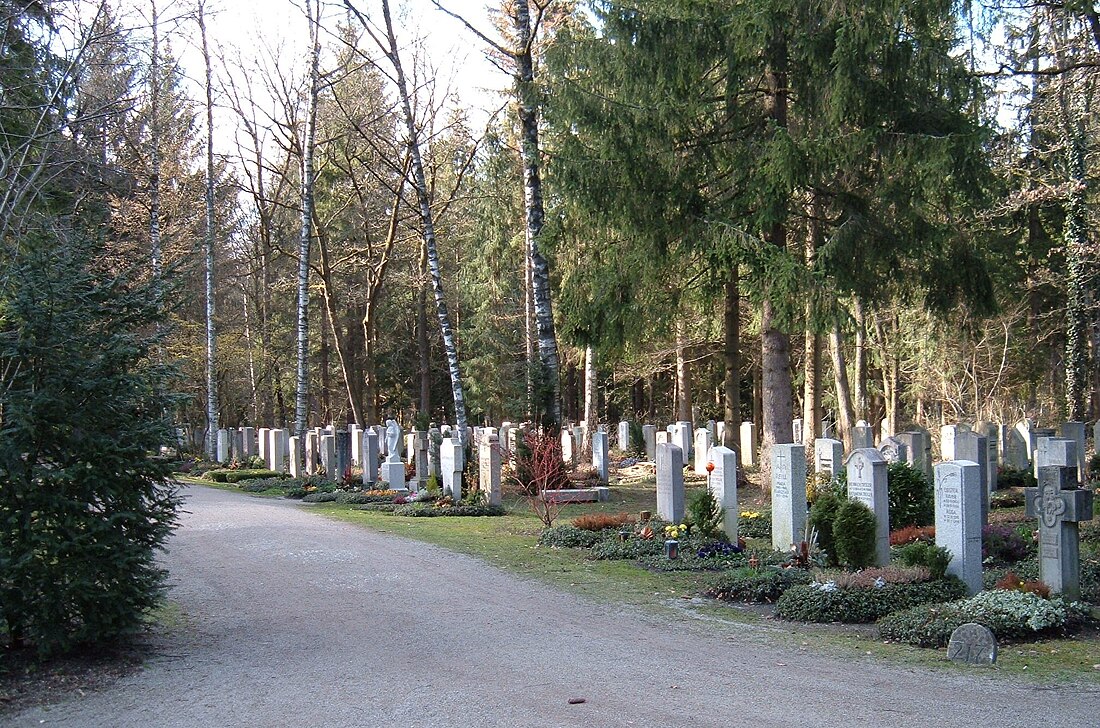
x=972, y=644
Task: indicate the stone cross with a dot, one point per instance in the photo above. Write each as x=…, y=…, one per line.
x=867, y=484
x=959, y=497
x=1059, y=505
x=722, y=481
x=788, y=495
x=670, y=482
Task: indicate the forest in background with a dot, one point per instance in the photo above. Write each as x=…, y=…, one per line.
x=745, y=211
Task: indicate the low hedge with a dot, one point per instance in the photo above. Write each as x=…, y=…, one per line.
x=820, y=603
x=319, y=496
x=236, y=476
x=634, y=548
x=747, y=584
x=692, y=562
x=755, y=524
x=430, y=510
x=378, y=507
x=569, y=536
x=1008, y=614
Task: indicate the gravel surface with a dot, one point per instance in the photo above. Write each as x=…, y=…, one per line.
x=296, y=620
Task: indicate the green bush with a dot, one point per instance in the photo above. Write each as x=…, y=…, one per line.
x=263, y=485
x=296, y=492
x=822, y=514
x=429, y=510
x=1006, y=499
x=637, y=439
x=910, y=495
x=319, y=496
x=746, y=584
x=704, y=514
x=854, y=535
x=226, y=475
x=827, y=603
x=377, y=507
x=634, y=548
x=83, y=509
x=357, y=498
x=569, y=536
x=1008, y=614
x=691, y=561
x=922, y=553
x=755, y=527
x=1014, y=478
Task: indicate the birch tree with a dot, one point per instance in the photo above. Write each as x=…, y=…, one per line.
x=208, y=244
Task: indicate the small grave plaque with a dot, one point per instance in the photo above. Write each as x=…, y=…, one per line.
x=972, y=644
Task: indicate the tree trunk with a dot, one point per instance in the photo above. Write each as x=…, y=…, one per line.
x=843, y=392
x=155, y=252
x=423, y=350
x=428, y=225
x=731, y=323
x=211, y=338
x=590, y=404
x=301, y=397
x=683, y=374
x=860, y=362
x=811, y=385
x=1077, y=281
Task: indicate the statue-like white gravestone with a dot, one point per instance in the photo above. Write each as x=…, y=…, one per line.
x=722, y=481
x=370, y=457
x=788, y=495
x=393, y=470
x=452, y=461
x=670, y=482
x=867, y=484
x=894, y=450
x=1059, y=505
x=567, y=446
x=703, y=442
x=828, y=456
x=599, y=455
x=748, y=444
x=624, y=436
x=959, y=496
x=489, y=467
x=972, y=644
x=649, y=434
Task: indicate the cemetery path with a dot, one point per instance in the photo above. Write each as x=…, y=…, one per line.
x=296, y=620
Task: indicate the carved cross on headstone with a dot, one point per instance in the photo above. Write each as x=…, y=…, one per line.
x=1059, y=505
x=860, y=464
x=781, y=462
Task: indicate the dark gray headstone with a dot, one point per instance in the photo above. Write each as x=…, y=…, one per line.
x=972, y=644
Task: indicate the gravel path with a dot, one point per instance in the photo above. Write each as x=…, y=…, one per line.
x=296, y=620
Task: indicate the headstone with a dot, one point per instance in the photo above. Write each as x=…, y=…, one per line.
x=248, y=437
x=223, y=446
x=506, y=429
x=280, y=444
x=959, y=497
x=599, y=455
x=649, y=434
x=828, y=456
x=356, y=434
x=748, y=444
x=918, y=446
x=681, y=437
x=328, y=457
x=262, y=442
x=867, y=484
x=579, y=438
x=1038, y=434
x=788, y=495
x=451, y=460
x=489, y=463
x=236, y=444
x=295, y=462
x=948, y=433
x=894, y=450
x=720, y=435
x=661, y=438
x=1059, y=505
x=343, y=455
x=703, y=443
x=312, y=452
x=722, y=482
x=409, y=449
x=370, y=457
x=435, y=438
x=1076, y=431
x=972, y=447
x=796, y=428
x=567, y=446
x=670, y=482
x=624, y=436
x=972, y=644
x=1024, y=427
x=992, y=434
x=863, y=437
x=420, y=458
x=1014, y=449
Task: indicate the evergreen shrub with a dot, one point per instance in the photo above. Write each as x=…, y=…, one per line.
x=854, y=535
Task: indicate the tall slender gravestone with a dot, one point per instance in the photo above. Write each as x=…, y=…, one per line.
x=294, y=461
x=435, y=438
x=262, y=442
x=248, y=435
x=828, y=456
x=343, y=454
x=356, y=435
x=1076, y=431
x=720, y=435
x=1096, y=438
x=991, y=432
x=420, y=458
x=867, y=484
x=670, y=482
x=722, y=481
x=703, y=442
x=370, y=457
x=1014, y=449
x=567, y=446
x=712, y=428
x=649, y=434
x=393, y=470
x=863, y=437
x=959, y=497
x=681, y=437
x=948, y=433
x=788, y=495
x=748, y=444
x=918, y=444
x=312, y=452
x=973, y=447
x=489, y=462
x=796, y=428
x=452, y=462
x=223, y=446
x=328, y=456
x=624, y=436
x=280, y=444
x=1059, y=505
x=599, y=455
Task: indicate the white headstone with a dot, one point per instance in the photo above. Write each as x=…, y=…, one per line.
x=972, y=447
x=248, y=438
x=681, y=436
x=489, y=465
x=452, y=462
x=393, y=442
x=748, y=444
x=828, y=456
x=722, y=482
x=947, y=442
x=796, y=428
x=624, y=436
x=1015, y=449
x=263, y=440
x=867, y=483
x=670, y=482
x=599, y=455
x=661, y=437
x=959, y=496
x=788, y=495
x=328, y=456
x=223, y=446
x=918, y=445
x=703, y=444
x=295, y=462
x=567, y=446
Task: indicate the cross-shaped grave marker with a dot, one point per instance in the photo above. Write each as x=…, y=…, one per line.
x=1059, y=505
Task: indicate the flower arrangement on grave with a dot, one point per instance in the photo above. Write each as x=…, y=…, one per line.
x=676, y=531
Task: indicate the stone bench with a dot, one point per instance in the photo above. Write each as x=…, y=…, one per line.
x=578, y=495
